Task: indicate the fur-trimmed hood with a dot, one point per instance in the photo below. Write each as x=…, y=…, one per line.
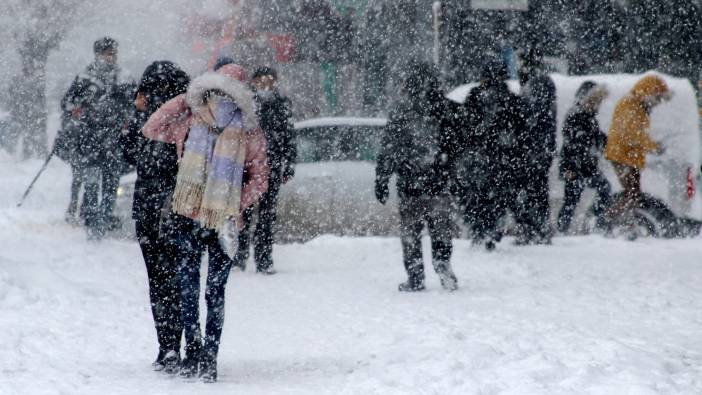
x=240, y=93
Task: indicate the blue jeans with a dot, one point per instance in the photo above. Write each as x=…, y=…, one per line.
x=192, y=242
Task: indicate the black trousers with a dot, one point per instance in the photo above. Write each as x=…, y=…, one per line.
x=78, y=179
x=193, y=241
x=91, y=198
x=574, y=190
x=535, y=212
x=263, y=234
x=436, y=213
x=164, y=282
x=493, y=199
x=110, y=183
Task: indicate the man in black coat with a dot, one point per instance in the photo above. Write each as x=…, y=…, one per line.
x=274, y=115
x=157, y=168
x=96, y=103
x=539, y=96
x=418, y=146
x=494, y=128
x=583, y=142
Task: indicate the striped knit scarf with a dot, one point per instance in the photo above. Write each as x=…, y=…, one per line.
x=208, y=187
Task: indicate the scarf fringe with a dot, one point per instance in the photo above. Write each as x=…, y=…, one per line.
x=187, y=198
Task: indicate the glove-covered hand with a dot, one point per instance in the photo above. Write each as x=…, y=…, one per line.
x=288, y=174
x=382, y=192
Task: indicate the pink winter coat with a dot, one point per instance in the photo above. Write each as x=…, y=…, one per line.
x=171, y=123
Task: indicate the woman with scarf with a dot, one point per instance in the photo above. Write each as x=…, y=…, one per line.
x=222, y=170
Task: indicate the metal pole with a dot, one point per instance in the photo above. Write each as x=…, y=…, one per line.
x=436, y=12
x=29, y=188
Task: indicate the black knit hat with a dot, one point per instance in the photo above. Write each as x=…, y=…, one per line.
x=265, y=71
x=162, y=81
x=104, y=44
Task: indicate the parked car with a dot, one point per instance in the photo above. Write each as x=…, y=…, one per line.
x=333, y=188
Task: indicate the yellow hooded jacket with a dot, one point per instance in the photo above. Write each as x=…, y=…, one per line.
x=628, y=141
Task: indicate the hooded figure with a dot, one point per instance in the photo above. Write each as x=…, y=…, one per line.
x=495, y=133
x=157, y=166
x=539, y=97
x=628, y=141
x=417, y=147
x=583, y=142
x=222, y=170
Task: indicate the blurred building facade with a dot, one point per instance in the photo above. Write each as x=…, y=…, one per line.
x=347, y=56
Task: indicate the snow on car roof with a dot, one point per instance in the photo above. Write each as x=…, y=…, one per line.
x=340, y=121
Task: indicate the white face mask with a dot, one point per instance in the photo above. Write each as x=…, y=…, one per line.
x=265, y=94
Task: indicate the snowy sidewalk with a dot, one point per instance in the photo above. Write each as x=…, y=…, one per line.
x=585, y=316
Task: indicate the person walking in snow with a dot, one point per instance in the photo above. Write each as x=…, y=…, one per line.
x=157, y=166
x=223, y=170
x=95, y=101
x=494, y=133
x=628, y=142
x=274, y=114
x=416, y=146
x=539, y=96
x=583, y=142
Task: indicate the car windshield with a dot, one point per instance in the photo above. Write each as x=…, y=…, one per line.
x=338, y=143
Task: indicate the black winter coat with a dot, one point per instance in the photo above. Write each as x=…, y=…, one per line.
x=420, y=145
x=104, y=108
x=495, y=130
x=583, y=142
x=539, y=95
x=275, y=120
x=157, y=169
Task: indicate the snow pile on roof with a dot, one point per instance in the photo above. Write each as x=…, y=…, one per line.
x=340, y=121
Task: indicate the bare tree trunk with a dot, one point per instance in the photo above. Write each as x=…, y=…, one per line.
x=29, y=94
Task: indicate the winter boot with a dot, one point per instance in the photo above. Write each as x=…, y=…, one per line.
x=189, y=365
x=448, y=280
x=171, y=362
x=490, y=246
x=269, y=271
x=158, y=364
x=208, y=370
x=412, y=285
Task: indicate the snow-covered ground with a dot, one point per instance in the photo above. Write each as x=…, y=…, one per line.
x=585, y=316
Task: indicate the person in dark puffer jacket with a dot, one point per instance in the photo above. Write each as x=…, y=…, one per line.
x=539, y=97
x=157, y=166
x=417, y=147
x=274, y=114
x=583, y=142
x=495, y=134
x=95, y=102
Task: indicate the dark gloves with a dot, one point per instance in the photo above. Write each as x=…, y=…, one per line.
x=288, y=174
x=382, y=192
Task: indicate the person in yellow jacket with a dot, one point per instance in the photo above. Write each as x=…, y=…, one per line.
x=628, y=140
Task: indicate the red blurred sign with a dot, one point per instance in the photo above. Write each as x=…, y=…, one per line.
x=690, y=183
x=284, y=46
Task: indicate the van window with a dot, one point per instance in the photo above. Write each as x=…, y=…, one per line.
x=338, y=143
